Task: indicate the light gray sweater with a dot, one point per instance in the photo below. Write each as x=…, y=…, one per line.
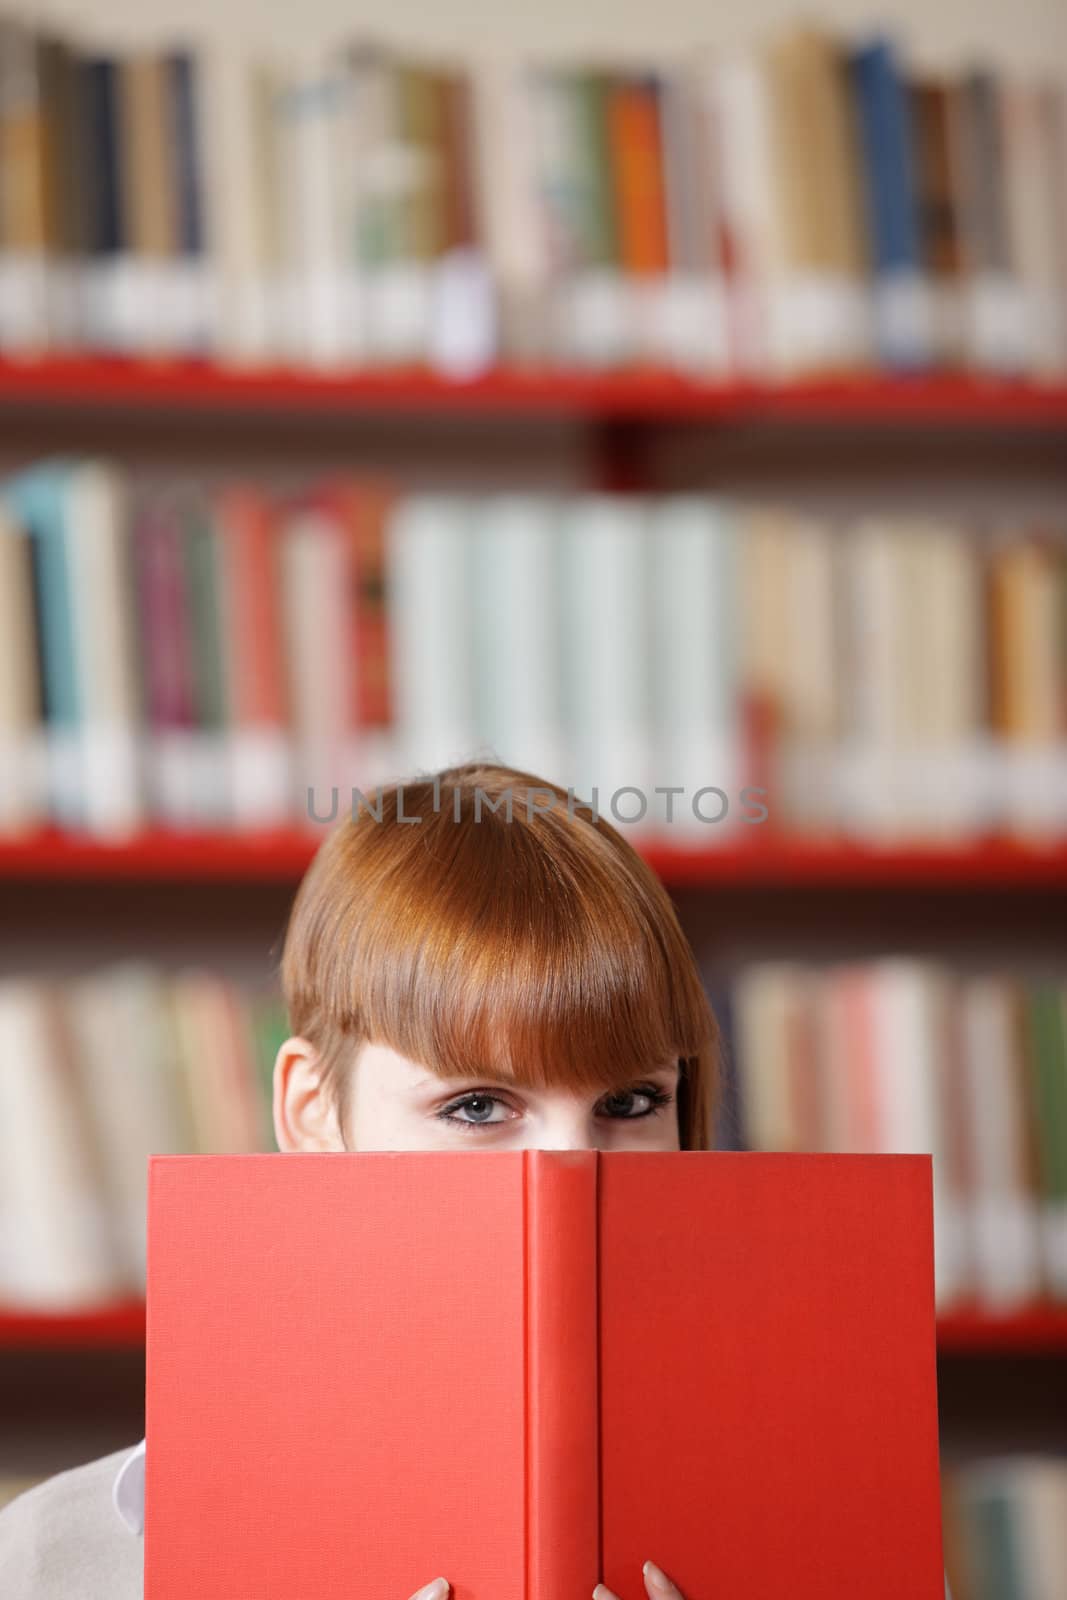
x=64, y=1539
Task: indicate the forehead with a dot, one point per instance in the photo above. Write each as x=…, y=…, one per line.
x=386, y=1066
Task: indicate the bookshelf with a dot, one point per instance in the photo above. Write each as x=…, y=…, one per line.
x=869, y=437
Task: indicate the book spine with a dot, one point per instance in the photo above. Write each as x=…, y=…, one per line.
x=192, y=280
x=107, y=221
x=562, y=1373
x=25, y=265
x=883, y=112
x=22, y=758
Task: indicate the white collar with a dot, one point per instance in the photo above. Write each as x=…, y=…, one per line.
x=128, y=1490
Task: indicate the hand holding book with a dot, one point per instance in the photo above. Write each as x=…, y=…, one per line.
x=657, y=1584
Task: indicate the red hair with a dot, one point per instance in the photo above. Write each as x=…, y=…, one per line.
x=519, y=942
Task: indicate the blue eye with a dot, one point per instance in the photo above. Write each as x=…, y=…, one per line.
x=616, y=1107
x=469, y=1102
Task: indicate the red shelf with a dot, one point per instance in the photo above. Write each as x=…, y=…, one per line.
x=1037, y=1330
x=119, y=1326
x=170, y=387
x=1034, y=1331
x=282, y=856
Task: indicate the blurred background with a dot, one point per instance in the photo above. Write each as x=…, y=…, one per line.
x=653, y=398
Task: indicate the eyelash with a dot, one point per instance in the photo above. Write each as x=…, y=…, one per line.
x=660, y=1099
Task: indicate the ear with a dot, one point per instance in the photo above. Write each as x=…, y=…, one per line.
x=304, y=1116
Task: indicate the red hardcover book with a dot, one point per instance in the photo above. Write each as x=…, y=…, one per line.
x=534, y=1369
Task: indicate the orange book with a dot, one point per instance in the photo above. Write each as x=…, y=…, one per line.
x=636, y=143
x=535, y=1369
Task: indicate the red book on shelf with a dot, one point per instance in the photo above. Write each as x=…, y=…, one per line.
x=535, y=1369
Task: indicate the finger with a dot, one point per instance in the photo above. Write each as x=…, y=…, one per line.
x=602, y=1592
x=658, y=1585
x=439, y=1589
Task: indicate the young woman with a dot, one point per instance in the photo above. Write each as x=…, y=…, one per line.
x=477, y=964
x=473, y=964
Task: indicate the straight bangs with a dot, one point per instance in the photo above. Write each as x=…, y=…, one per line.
x=480, y=942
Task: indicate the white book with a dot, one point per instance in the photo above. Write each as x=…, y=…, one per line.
x=319, y=215
x=809, y=653
x=506, y=183
x=910, y=1002
x=132, y=1099
x=1033, y=760
x=214, y=1063
x=692, y=330
x=943, y=778
x=606, y=650
x=820, y=310
x=23, y=755
x=238, y=174
x=766, y=995
x=874, y=679
x=597, y=315
x=57, y=1247
x=97, y=541
x=431, y=648
x=1032, y=229
x=314, y=570
x=763, y=625
x=694, y=667
x=739, y=96
x=1006, y=1237
x=515, y=582
x=398, y=288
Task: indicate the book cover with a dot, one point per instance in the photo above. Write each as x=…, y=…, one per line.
x=532, y=1370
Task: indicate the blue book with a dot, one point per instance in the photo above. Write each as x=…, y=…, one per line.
x=38, y=501
x=887, y=166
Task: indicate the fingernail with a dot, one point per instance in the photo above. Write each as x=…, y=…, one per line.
x=602, y=1592
x=659, y=1580
x=437, y=1590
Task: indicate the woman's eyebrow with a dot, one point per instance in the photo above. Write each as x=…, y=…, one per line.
x=432, y=1081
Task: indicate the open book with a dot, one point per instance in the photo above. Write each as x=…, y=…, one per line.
x=534, y=1369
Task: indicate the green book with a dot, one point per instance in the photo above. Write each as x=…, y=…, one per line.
x=1046, y=1036
x=202, y=566
x=595, y=216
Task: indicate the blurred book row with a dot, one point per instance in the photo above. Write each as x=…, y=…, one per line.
x=810, y=201
x=224, y=658
x=903, y=1054
x=96, y=1072
x=1005, y=1525
x=898, y=1055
